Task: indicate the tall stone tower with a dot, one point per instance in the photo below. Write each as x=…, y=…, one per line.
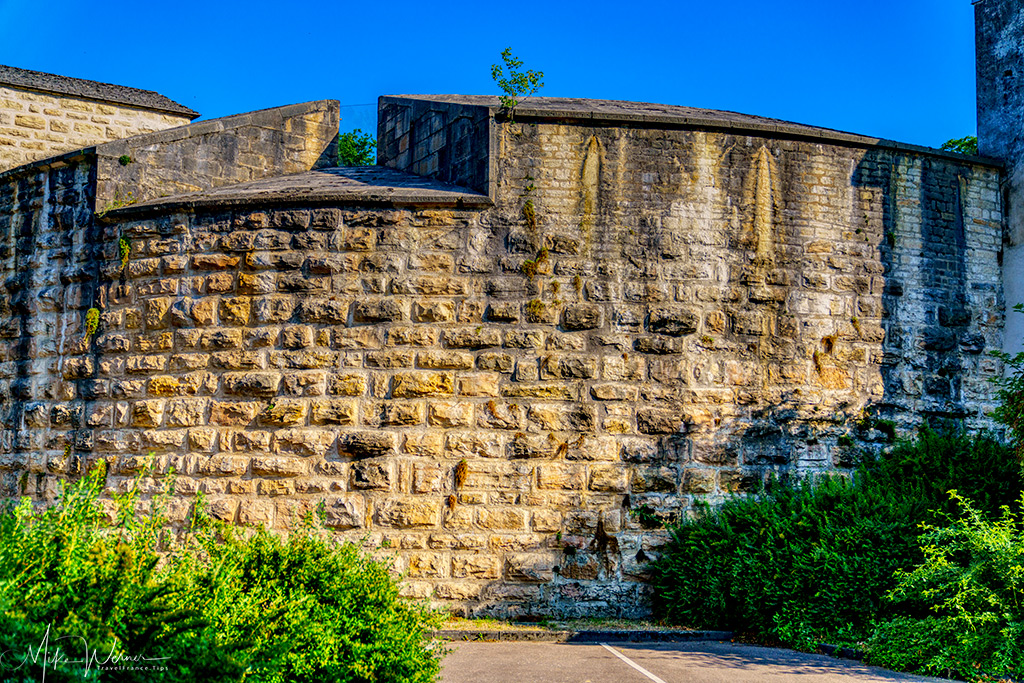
x=999, y=39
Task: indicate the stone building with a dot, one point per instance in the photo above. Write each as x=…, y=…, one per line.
x=511, y=349
x=45, y=114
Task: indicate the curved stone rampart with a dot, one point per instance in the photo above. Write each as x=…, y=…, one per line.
x=509, y=390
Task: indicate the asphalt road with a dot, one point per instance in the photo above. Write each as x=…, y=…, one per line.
x=699, y=662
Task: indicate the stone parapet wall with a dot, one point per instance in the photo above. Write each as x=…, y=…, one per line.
x=507, y=398
x=448, y=141
x=226, y=151
x=36, y=125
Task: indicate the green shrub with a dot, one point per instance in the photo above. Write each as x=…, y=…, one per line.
x=972, y=582
x=335, y=614
x=214, y=606
x=811, y=563
x=925, y=469
x=69, y=578
x=800, y=562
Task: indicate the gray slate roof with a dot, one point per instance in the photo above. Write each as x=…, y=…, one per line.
x=91, y=90
x=344, y=185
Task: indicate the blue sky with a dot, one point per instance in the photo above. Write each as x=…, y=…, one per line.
x=898, y=69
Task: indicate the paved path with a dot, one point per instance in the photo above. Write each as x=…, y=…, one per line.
x=699, y=662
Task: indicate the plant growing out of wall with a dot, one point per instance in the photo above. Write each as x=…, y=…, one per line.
x=120, y=201
x=92, y=321
x=516, y=85
x=124, y=250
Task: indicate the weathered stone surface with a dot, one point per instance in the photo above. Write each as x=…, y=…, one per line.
x=284, y=413
x=279, y=467
x=581, y=317
x=475, y=567
x=416, y=384
x=330, y=311
x=404, y=513
x=530, y=568
x=372, y=474
x=232, y=413
x=366, y=444
x=316, y=442
x=345, y=512
x=252, y=383
x=385, y=310
x=333, y=412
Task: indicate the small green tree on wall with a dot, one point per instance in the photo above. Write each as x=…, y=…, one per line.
x=516, y=84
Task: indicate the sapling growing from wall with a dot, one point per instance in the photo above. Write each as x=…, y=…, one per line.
x=516, y=85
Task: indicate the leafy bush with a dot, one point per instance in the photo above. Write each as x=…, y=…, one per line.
x=809, y=563
x=214, y=606
x=972, y=581
x=334, y=614
x=925, y=469
x=67, y=579
x=798, y=563
x=516, y=85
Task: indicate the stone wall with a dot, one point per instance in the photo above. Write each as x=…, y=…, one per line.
x=1000, y=70
x=36, y=125
x=508, y=398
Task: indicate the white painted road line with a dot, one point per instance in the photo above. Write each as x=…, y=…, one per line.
x=633, y=664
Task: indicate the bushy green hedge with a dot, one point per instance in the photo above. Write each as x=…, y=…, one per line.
x=815, y=561
x=797, y=562
x=212, y=607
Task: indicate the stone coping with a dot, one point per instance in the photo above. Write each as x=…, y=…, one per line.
x=266, y=118
x=55, y=84
x=366, y=185
x=646, y=114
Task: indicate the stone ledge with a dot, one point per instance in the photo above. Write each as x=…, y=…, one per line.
x=618, y=636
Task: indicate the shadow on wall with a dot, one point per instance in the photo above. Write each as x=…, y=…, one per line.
x=939, y=317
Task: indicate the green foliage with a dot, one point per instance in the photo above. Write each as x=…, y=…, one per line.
x=972, y=583
x=335, y=615
x=925, y=469
x=355, y=148
x=800, y=562
x=516, y=85
x=965, y=145
x=68, y=578
x=213, y=606
x=124, y=160
x=120, y=201
x=812, y=562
